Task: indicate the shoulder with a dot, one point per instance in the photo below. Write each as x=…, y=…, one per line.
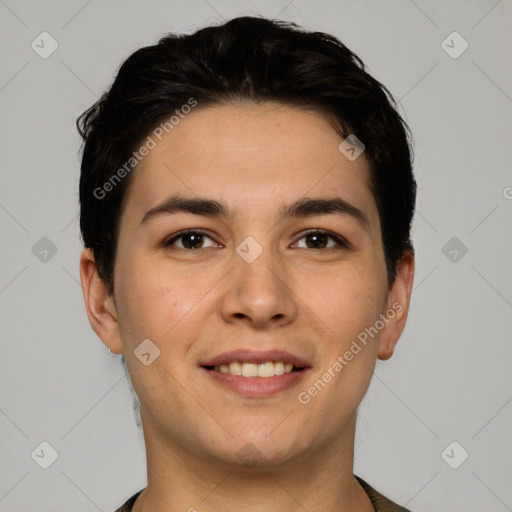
x=380, y=502
x=128, y=505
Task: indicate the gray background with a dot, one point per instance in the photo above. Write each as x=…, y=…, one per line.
x=450, y=378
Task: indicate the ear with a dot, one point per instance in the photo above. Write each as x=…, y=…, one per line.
x=399, y=297
x=99, y=305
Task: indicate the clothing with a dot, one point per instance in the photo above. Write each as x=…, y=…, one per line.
x=128, y=505
x=380, y=503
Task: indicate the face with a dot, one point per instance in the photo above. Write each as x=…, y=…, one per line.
x=253, y=274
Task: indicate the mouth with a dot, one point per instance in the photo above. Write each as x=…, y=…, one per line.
x=263, y=370
x=256, y=374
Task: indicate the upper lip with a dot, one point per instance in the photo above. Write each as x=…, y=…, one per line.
x=256, y=357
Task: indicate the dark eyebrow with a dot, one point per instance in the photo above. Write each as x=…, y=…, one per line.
x=303, y=207
x=306, y=207
x=197, y=206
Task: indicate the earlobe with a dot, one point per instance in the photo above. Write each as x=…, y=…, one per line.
x=398, y=305
x=99, y=305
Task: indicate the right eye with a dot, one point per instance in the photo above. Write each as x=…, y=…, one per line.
x=191, y=239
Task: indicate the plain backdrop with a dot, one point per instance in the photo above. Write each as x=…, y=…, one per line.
x=446, y=393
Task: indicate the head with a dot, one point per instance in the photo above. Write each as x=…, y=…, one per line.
x=252, y=116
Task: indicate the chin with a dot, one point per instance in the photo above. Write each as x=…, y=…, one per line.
x=257, y=450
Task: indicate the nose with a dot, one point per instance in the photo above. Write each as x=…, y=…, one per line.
x=260, y=293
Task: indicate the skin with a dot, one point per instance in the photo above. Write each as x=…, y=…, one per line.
x=195, y=304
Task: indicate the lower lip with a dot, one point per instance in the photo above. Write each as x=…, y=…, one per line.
x=257, y=387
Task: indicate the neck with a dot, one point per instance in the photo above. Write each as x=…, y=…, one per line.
x=179, y=481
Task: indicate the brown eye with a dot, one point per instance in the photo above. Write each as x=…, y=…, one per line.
x=189, y=240
x=319, y=239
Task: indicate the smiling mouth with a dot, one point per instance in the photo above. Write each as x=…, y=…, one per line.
x=264, y=370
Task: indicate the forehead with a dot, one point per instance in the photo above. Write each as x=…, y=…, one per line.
x=250, y=155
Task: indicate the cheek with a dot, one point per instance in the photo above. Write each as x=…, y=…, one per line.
x=348, y=352
x=351, y=300
x=159, y=302
x=145, y=296
x=156, y=304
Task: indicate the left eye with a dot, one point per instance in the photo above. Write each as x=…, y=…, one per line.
x=192, y=239
x=318, y=240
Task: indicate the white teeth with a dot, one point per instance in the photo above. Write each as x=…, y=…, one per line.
x=249, y=370
x=235, y=368
x=267, y=369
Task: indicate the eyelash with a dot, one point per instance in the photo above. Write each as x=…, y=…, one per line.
x=340, y=241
